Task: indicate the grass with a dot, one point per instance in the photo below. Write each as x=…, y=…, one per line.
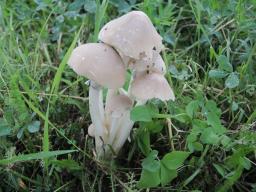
x=210, y=56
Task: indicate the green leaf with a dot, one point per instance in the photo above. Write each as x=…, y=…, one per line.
x=224, y=64
x=192, y=108
x=34, y=126
x=122, y=6
x=232, y=81
x=217, y=73
x=225, y=140
x=76, y=5
x=175, y=159
x=34, y=156
x=192, y=137
x=90, y=6
x=182, y=117
x=4, y=128
x=245, y=163
x=143, y=139
x=150, y=163
x=153, y=126
x=149, y=179
x=195, y=146
x=209, y=137
x=167, y=175
x=220, y=169
x=198, y=125
x=211, y=105
x=142, y=113
x=214, y=121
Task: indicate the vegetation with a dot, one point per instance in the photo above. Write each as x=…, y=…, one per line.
x=203, y=141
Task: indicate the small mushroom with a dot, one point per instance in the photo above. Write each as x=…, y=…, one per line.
x=103, y=66
x=133, y=35
x=146, y=86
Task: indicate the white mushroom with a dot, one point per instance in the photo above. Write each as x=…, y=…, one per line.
x=146, y=86
x=129, y=42
x=133, y=35
x=103, y=66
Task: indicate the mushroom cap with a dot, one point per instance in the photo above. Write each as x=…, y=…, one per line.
x=91, y=130
x=146, y=86
x=100, y=63
x=132, y=34
x=158, y=65
x=117, y=105
x=155, y=65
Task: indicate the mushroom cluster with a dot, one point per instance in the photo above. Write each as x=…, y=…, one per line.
x=128, y=43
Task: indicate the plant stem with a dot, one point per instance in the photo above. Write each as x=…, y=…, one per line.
x=169, y=124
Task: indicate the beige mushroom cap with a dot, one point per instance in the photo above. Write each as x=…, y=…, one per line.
x=155, y=65
x=158, y=65
x=100, y=63
x=132, y=34
x=117, y=105
x=91, y=130
x=153, y=85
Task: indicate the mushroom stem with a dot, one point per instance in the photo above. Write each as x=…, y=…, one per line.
x=115, y=124
x=96, y=108
x=124, y=129
x=110, y=93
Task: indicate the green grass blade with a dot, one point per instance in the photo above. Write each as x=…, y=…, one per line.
x=46, y=132
x=99, y=16
x=251, y=118
x=34, y=156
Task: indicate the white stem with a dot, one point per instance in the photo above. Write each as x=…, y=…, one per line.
x=110, y=94
x=123, y=133
x=96, y=108
x=115, y=124
x=124, y=130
